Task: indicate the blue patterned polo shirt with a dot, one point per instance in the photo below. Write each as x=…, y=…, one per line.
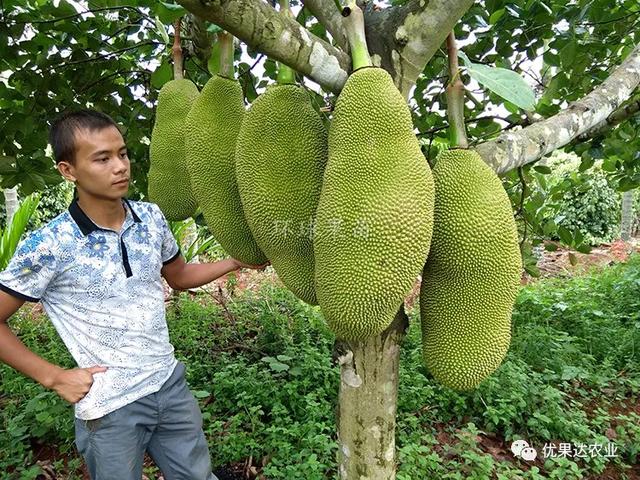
x=102, y=291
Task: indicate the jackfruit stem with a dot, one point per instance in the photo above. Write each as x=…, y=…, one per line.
x=455, y=98
x=286, y=75
x=354, y=25
x=176, y=52
x=226, y=55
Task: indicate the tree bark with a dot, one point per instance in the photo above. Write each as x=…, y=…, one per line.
x=514, y=149
x=626, y=217
x=327, y=13
x=420, y=28
x=367, y=404
x=280, y=37
x=10, y=202
x=401, y=39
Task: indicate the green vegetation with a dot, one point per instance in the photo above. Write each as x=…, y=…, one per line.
x=11, y=234
x=280, y=159
x=472, y=275
x=375, y=215
x=169, y=184
x=260, y=365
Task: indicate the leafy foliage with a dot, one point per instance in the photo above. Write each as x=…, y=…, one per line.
x=192, y=247
x=12, y=233
x=59, y=56
x=260, y=365
x=588, y=205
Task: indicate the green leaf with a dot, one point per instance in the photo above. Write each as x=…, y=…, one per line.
x=13, y=232
x=201, y=393
x=7, y=165
x=162, y=75
x=625, y=184
x=573, y=260
x=213, y=28
x=542, y=169
x=568, y=53
x=584, y=248
x=278, y=367
x=532, y=270
x=565, y=235
x=162, y=31
x=284, y=358
x=495, y=16
x=505, y=83
x=610, y=164
x=586, y=163
x=169, y=12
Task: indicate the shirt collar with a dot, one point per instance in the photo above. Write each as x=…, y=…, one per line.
x=86, y=225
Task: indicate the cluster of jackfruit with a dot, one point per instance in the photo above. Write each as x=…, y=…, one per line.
x=168, y=182
x=349, y=218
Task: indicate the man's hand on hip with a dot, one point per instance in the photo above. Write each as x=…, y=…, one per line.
x=75, y=383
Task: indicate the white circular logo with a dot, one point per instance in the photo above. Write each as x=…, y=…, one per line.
x=518, y=446
x=529, y=454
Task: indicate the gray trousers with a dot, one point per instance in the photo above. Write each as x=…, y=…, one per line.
x=167, y=424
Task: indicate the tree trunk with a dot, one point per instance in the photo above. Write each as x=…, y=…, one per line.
x=10, y=202
x=367, y=404
x=626, y=217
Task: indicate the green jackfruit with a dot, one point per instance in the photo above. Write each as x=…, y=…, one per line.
x=472, y=276
x=212, y=130
x=280, y=157
x=169, y=184
x=375, y=214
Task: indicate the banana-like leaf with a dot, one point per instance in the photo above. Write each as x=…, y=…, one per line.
x=12, y=233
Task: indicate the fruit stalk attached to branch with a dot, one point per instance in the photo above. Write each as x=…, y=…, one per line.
x=176, y=52
x=226, y=55
x=455, y=98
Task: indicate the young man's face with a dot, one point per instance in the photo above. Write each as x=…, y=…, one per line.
x=101, y=166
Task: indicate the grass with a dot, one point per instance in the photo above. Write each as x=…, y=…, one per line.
x=261, y=366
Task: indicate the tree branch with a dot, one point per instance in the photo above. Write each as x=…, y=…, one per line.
x=415, y=33
x=620, y=115
x=326, y=12
x=279, y=36
x=514, y=149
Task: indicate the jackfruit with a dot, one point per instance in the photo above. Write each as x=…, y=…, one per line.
x=472, y=275
x=212, y=128
x=280, y=157
x=169, y=184
x=375, y=215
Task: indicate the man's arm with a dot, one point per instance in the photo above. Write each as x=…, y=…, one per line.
x=72, y=385
x=182, y=276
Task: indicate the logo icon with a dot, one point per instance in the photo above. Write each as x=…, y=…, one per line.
x=522, y=449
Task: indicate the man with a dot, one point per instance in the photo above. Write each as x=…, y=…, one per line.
x=96, y=269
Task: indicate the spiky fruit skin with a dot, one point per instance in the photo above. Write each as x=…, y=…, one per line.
x=168, y=183
x=375, y=215
x=212, y=131
x=280, y=159
x=472, y=275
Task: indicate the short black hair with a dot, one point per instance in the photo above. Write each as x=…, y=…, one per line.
x=63, y=130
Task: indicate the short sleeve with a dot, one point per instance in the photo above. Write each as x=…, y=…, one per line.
x=170, y=249
x=31, y=269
